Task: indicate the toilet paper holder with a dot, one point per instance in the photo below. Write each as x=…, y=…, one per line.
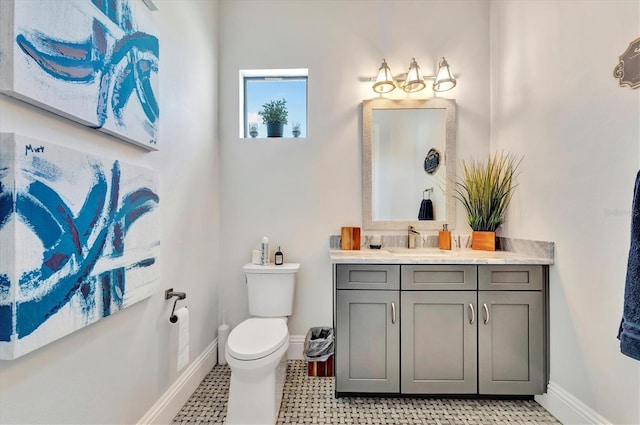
x=170, y=293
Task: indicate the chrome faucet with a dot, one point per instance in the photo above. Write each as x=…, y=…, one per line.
x=412, y=233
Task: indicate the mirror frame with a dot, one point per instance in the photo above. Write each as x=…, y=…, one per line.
x=449, y=160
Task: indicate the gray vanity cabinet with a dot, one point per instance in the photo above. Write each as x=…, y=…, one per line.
x=367, y=321
x=441, y=329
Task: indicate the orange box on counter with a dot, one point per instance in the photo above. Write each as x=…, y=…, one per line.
x=350, y=238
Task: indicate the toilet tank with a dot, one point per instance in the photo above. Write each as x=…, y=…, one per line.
x=271, y=289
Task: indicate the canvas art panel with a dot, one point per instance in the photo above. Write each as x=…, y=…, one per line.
x=79, y=240
x=92, y=61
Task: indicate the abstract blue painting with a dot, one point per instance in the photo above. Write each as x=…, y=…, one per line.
x=79, y=240
x=92, y=61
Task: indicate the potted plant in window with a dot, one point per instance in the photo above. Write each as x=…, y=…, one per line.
x=274, y=114
x=485, y=190
x=253, y=129
x=295, y=129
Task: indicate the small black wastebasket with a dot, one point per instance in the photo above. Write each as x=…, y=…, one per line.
x=318, y=351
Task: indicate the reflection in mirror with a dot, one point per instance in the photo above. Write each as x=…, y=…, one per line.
x=408, y=149
x=401, y=140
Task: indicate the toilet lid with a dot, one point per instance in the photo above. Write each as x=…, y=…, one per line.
x=257, y=337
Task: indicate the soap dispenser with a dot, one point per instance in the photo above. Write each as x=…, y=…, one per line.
x=444, y=238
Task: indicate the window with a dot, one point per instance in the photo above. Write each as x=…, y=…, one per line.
x=258, y=87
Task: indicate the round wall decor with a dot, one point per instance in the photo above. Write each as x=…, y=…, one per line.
x=432, y=161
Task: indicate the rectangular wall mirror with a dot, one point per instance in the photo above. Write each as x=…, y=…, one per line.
x=408, y=154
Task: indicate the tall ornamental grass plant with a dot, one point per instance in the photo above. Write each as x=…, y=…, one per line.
x=486, y=188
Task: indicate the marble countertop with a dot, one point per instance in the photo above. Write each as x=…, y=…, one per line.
x=432, y=256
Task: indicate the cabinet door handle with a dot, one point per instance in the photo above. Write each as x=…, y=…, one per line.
x=486, y=313
x=473, y=314
x=393, y=313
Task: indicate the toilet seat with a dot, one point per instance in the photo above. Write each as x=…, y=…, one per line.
x=256, y=338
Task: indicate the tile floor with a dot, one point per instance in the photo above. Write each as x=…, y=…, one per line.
x=310, y=400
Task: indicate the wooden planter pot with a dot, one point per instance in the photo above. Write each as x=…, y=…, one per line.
x=483, y=241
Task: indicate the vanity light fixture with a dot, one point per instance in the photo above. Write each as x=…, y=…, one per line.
x=384, y=81
x=413, y=81
x=444, y=79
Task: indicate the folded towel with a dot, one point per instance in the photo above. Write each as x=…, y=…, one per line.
x=629, y=331
x=426, y=210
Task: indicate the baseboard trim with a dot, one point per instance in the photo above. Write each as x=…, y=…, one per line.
x=168, y=406
x=567, y=408
x=296, y=347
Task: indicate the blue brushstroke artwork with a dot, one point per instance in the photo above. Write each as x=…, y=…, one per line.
x=79, y=240
x=94, y=61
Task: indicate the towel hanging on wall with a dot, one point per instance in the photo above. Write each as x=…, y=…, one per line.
x=426, y=207
x=426, y=210
x=629, y=331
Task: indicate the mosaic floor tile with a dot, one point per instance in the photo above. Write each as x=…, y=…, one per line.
x=310, y=400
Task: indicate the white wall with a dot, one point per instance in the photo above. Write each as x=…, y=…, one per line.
x=555, y=101
x=115, y=370
x=298, y=192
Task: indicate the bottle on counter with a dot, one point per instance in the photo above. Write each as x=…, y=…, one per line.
x=279, y=258
x=264, y=251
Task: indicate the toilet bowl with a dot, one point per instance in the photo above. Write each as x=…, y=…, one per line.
x=256, y=353
x=256, y=349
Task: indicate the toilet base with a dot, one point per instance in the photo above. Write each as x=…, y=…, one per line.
x=255, y=391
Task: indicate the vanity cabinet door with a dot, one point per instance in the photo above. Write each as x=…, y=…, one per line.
x=439, y=342
x=367, y=341
x=510, y=342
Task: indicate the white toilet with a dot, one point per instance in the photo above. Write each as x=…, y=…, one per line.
x=257, y=348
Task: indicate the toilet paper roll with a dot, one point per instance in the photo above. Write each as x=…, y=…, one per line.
x=255, y=256
x=183, y=336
